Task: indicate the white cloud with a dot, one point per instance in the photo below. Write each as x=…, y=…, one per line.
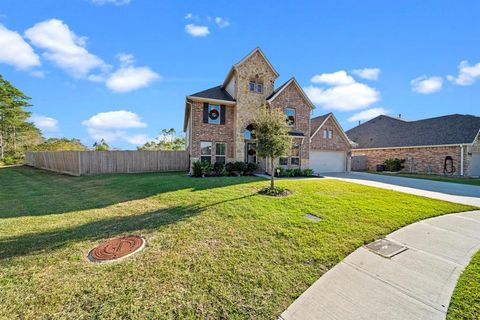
x=335, y=79
x=222, y=22
x=467, y=74
x=45, y=124
x=112, y=126
x=343, y=95
x=15, y=51
x=367, y=73
x=427, y=85
x=128, y=78
x=189, y=16
x=64, y=48
x=37, y=74
x=120, y=119
x=196, y=30
x=115, y=2
x=367, y=114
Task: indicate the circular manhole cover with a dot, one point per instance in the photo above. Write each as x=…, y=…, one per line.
x=116, y=249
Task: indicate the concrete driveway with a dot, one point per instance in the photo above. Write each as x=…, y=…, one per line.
x=453, y=192
x=415, y=284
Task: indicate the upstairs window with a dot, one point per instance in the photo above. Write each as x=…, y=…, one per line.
x=290, y=116
x=260, y=87
x=220, y=152
x=252, y=86
x=213, y=114
x=327, y=134
x=255, y=86
x=206, y=151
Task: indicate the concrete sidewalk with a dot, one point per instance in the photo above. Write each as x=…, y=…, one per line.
x=453, y=192
x=414, y=284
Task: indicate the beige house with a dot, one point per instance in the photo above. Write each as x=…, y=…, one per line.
x=219, y=122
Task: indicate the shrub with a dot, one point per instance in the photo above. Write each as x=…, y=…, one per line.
x=308, y=172
x=239, y=167
x=250, y=169
x=230, y=168
x=201, y=168
x=197, y=169
x=275, y=192
x=394, y=164
x=297, y=172
x=218, y=168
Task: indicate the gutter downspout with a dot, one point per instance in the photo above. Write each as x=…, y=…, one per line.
x=461, y=160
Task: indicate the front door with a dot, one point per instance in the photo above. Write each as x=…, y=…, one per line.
x=251, y=152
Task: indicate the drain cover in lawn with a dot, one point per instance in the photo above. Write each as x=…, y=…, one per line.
x=116, y=249
x=385, y=248
x=312, y=217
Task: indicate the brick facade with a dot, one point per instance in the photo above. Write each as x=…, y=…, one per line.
x=290, y=97
x=417, y=160
x=337, y=143
x=211, y=132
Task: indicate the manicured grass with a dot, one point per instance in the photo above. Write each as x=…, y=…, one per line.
x=465, y=180
x=215, y=248
x=465, y=303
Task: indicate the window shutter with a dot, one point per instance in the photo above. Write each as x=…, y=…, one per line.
x=223, y=112
x=205, y=112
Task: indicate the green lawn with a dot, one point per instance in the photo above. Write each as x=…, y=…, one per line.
x=464, y=180
x=465, y=304
x=215, y=249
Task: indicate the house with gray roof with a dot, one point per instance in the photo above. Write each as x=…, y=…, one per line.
x=441, y=145
x=220, y=122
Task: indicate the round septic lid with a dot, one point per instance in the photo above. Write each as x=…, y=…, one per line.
x=116, y=249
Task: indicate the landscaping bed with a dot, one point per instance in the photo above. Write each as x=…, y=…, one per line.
x=214, y=249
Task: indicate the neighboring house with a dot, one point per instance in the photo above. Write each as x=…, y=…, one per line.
x=428, y=146
x=219, y=122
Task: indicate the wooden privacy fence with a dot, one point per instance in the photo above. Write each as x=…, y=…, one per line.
x=359, y=163
x=80, y=163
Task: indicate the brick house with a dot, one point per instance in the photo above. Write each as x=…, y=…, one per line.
x=448, y=144
x=219, y=122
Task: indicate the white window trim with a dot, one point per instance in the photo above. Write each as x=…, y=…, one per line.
x=223, y=155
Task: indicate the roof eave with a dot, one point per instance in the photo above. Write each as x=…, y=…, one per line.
x=219, y=101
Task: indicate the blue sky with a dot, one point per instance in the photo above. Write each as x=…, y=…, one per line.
x=121, y=69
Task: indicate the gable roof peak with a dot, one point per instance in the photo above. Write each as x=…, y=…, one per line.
x=236, y=65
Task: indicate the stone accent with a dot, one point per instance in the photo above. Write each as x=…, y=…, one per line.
x=211, y=132
x=290, y=97
x=248, y=103
x=337, y=143
x=418, y=160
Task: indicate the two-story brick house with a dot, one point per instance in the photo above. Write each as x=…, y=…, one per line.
x=219, y=122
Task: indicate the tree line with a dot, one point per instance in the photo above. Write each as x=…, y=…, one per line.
x=18, y=134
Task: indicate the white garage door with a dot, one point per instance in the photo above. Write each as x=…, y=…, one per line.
x=475, y=165
x=327, y=161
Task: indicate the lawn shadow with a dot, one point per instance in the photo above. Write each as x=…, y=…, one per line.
x=25, y=191
x=102, y=229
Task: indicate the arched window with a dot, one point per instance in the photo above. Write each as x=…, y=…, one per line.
x=250, y=132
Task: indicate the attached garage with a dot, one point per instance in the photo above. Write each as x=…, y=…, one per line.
x=475, y=165
x=328, y=161
x=329, y=146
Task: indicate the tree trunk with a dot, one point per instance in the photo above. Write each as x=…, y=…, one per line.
x=14, y=140
x=272, y=175
x=1, y=145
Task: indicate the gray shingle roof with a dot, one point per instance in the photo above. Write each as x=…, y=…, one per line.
x=384, y=131
x=216, y=93
x=317, y=121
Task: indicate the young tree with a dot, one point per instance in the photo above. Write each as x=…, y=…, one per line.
x=101, y=145
x=273, y=140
